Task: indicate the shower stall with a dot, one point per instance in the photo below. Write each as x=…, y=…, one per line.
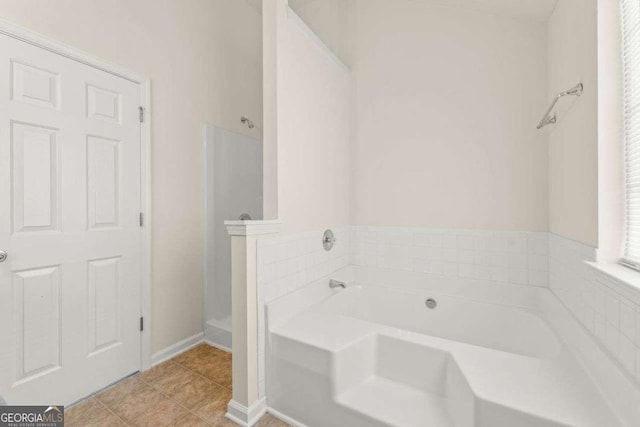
x=232, y=190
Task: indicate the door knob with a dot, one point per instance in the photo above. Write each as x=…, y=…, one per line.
x=3, y=256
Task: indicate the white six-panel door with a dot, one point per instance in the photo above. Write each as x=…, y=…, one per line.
x=69, y=221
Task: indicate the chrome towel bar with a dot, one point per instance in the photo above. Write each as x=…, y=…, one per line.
x=547, y=119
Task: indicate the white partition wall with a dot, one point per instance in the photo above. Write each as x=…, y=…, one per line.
x=233, y=186
x=307, y=125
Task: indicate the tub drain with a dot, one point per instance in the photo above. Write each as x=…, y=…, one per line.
x=431, y=303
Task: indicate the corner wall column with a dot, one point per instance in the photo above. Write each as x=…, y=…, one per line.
x=245, y=408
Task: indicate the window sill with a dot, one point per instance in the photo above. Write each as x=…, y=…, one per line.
x=625, y=280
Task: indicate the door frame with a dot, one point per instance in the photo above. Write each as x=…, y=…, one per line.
x=44, y=42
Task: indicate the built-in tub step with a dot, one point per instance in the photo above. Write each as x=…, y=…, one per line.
x=334, y=361
x=396, y=404
x=402, y=383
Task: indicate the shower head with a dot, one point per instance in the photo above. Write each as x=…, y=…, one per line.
x=248, y=122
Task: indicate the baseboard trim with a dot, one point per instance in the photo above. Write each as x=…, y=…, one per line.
x=285, y=418
x=216, y=345
x=244, y=416
x=176, y=349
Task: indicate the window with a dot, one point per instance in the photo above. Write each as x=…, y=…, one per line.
x=630, y=10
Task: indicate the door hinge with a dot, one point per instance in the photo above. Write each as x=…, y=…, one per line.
x=141, y=110
x=141, y=324
x=141, y=219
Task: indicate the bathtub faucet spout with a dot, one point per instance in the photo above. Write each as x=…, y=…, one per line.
x=336, y=284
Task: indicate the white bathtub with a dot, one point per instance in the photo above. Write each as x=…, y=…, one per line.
x=378, y=356
x=493, y=326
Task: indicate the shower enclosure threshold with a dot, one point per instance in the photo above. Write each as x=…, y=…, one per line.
x=218, y=333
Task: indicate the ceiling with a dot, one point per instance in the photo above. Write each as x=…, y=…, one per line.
x=539, y=10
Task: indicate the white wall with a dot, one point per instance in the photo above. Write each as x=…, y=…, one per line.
x=204, y=62
x=309, y=132
x=447, y=100
x=610, y=150
x=573, y=141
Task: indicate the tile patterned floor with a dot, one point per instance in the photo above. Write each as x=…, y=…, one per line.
x=192, y=389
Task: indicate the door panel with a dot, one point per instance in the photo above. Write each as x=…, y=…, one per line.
x=33, y=85
x=34, y=163
x=36, y=308
x=103, y=180
x=104, y=316
x=69, y=207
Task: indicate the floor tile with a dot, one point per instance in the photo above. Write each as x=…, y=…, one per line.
x=225, y=422
x=193, y=392
x=136, y=406
x=91, y=413
x=200, y=360
x=190, y=420
x=161, y=372
x=224, y=355
x=217, y=370
x=192, y=389
x=278, y=423
x=188, y=356
x=265, y=420
x=218, y=353
x=121, y=390
x=175, y=380
x=213, y=406
x=163, y=413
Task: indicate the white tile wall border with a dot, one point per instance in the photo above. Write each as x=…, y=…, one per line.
x=501, y=256
x=607, y=308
